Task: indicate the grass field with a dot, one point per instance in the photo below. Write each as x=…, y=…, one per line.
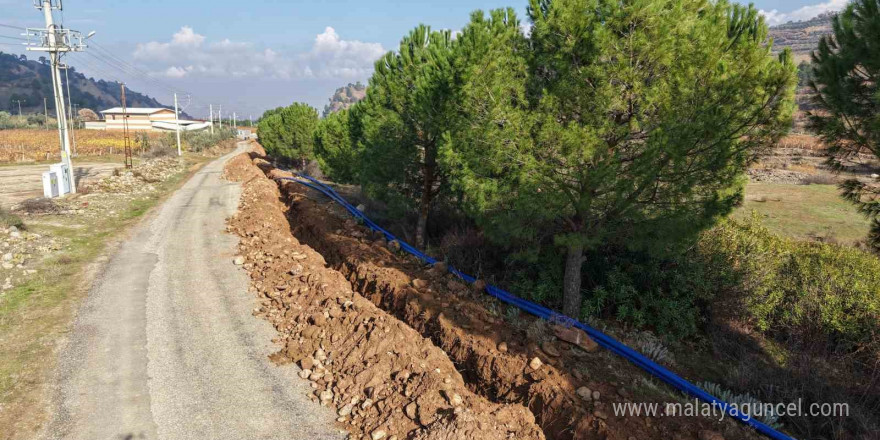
x=805, y=212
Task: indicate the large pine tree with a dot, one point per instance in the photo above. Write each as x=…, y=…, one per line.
x=628, y=122
x=288, y=132
x=404, y=120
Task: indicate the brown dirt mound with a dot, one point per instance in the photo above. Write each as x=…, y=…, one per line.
x=384, y=379
x=442, y=308
x=456, y=319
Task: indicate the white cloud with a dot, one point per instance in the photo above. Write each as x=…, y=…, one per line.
x=189, y=54
x=774, y=17
x=187, y=37
x=333, y=56
x=176, y=72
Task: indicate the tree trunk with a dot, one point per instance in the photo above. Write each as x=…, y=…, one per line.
x=424, y=208
x=429, y=167
x=571, y=294
x=421, y=226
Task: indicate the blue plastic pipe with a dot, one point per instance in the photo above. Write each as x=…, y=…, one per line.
x=540, y=311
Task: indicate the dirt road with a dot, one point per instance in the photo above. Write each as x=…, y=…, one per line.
x=165, y=346
x=21, y=182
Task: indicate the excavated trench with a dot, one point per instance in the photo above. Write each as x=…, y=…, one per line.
x=412, y=337
x=384, y=380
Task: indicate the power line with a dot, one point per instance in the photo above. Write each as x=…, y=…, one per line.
x=13, y=38
x=118, y=66
x=114, y=74
x=126, y=64
x=12, y=27
x=117, y=69
x=128, y=74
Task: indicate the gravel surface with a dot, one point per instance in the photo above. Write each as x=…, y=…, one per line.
x=165, y=346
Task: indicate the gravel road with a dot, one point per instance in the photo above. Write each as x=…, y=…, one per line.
x=165, y=346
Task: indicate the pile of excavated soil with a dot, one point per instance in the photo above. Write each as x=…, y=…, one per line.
x=381, y=376
x=567, y=390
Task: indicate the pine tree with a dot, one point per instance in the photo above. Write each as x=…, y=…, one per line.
x=404, y=120
x=334, y=150
x=634, y=125
x=288, y=132
x=845, y=75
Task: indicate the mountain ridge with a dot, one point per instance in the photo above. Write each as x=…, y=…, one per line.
x=31, y=81
x=801, y=36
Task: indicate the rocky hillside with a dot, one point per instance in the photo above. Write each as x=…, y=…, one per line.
x=345, y=97
x=801, y=36
x=30, y=82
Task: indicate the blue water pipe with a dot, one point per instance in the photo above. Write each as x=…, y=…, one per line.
x=540, y=311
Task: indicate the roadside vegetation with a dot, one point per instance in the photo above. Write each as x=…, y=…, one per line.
x=595, y=166
x=9, y=121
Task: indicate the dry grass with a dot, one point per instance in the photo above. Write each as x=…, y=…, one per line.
x=809, y=212
x=38, y=145
x=801, y=141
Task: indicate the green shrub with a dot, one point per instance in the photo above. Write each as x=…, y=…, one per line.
x=8, y=219
x=198, y=141
x=10, y=121
x=824, y=294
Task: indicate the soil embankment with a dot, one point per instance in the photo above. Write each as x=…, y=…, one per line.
x=384, y=379
x=290, y=237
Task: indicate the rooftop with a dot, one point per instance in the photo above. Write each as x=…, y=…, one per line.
x=136, y=110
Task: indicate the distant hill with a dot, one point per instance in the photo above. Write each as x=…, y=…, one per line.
x=345, y=97
x=801, y=36
x=30, y=81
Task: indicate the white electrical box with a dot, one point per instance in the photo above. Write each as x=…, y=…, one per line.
x=56, y=182
x=50, y=185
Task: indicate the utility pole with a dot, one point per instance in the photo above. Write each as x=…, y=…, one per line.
x=177, y=124
x=126, y=141
x=57, y=41
x=220, y=115
x=19, y=101
x=46, y=111
x=70, y=109
x=75, y=117
x=211, y=107
x=234, y=122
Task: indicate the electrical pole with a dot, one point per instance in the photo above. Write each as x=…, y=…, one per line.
x=220, y=115
x=70, y=109
x=57, y=41
x=177, y=124
x=46, y=110
x=234, y=122
x=211, y=107
x=19, y=106
x=75, y=117
x=126, y=141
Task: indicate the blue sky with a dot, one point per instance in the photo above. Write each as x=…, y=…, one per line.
x=260, y=54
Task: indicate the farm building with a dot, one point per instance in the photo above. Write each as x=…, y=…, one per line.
x=144, y=119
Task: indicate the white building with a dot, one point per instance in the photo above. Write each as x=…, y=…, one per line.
x=144, y=119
